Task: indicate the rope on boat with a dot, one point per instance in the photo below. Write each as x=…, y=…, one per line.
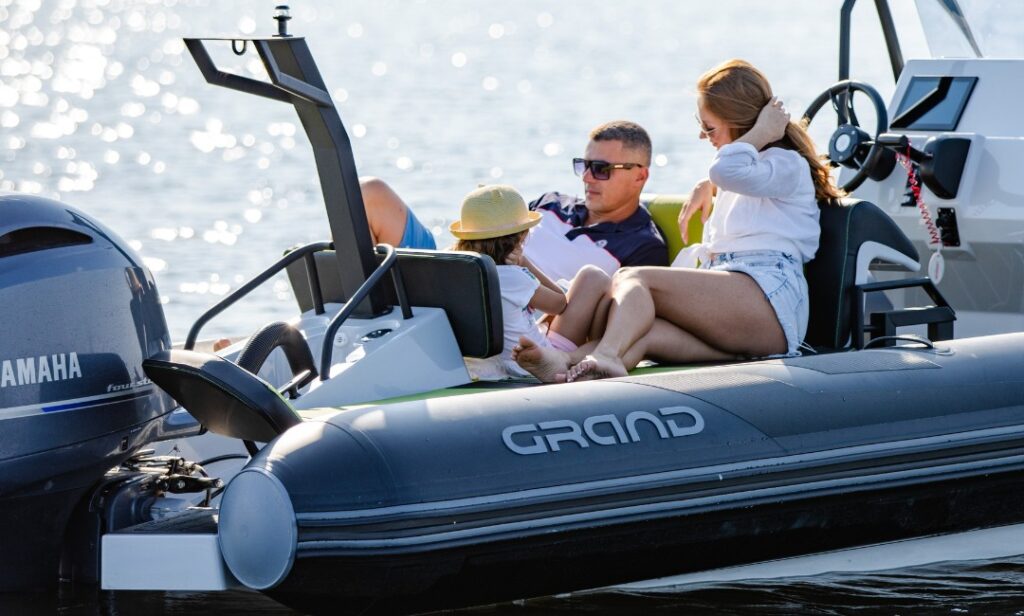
x=936, y=264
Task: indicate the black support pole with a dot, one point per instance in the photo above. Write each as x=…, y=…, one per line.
x=294, y=78
x=844, y=39
x=336, y=167
x=892, y=42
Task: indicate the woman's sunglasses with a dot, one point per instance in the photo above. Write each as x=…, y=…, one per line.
x=704, y=128
x=600, y=169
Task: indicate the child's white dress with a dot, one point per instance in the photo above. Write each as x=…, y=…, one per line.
x=517, y=288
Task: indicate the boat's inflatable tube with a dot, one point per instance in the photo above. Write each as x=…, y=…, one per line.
x=480, y=498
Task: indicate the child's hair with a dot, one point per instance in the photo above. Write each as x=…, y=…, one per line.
x=736, y=92
x=497, y=248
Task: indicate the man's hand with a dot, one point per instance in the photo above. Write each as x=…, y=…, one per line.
x=770, y=125
x=700, y=199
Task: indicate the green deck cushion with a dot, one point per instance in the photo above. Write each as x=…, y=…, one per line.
x=479, y=387
x=665, y=210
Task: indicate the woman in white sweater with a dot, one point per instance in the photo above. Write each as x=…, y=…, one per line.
x=748, y=296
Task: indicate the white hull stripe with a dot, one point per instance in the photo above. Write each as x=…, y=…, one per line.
x=73, y=403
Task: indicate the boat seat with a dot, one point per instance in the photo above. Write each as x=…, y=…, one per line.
x=223, y=396
x=853, y=234
x=464, y=284
x=664, y=210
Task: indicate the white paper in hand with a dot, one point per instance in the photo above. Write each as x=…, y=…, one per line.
x=557, y=256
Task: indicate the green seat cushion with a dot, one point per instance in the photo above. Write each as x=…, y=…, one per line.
x=665, y=210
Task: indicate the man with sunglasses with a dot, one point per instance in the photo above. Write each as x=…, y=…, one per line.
x=606, y=228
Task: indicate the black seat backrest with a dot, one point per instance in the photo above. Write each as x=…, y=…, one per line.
x=464, y=284
x=832, y=274
x=224, y=397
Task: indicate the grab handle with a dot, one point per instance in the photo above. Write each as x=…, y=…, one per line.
x=284, y=88
x=390, y=262
x=283, y=262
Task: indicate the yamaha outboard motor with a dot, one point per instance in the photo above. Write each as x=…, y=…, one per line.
x=79, y=314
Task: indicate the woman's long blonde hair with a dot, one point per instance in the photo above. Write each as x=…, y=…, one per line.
x=735, y=92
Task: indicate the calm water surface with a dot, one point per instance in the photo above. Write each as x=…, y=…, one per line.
x=982, y=587
x=101, y=106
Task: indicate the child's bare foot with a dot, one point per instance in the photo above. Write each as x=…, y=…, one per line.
x=222, y=343
x=596, y=367
x=547, y=364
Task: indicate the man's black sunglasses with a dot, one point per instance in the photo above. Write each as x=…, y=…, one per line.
x=600, y=169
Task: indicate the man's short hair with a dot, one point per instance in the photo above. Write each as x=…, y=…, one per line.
x=632, y=135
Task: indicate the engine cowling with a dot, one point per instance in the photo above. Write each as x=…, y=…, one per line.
x=80, y=313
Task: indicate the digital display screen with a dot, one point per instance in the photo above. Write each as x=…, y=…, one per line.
x=933, y=103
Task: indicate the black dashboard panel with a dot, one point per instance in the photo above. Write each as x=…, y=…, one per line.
x=934, y=103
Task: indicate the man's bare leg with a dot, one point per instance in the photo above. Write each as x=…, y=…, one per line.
x=386, y=213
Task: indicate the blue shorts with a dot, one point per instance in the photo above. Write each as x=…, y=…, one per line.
x=781, y=278
x=416, y=235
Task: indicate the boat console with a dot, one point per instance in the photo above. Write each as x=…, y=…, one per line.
x=953, y=117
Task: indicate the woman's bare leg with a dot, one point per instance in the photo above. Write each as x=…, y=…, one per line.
x=631, y=314
x=663, y=342
x=599, y=321
x=727, y=311
x=667, y=343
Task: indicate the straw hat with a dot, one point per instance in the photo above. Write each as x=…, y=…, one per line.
x=493, y=211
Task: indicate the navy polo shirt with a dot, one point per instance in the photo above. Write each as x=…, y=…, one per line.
x=634, y=241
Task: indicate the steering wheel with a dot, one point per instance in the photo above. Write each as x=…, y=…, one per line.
x=850, y=145
x=286, y=337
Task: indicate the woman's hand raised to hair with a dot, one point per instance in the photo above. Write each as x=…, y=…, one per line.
x=700, y=199
x=770, y=125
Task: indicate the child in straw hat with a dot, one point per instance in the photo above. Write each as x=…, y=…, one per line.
x=495, y=221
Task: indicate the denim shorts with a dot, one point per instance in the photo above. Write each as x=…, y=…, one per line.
x=781, y=277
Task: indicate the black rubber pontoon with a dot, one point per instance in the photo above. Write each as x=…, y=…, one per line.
x=475, y=499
